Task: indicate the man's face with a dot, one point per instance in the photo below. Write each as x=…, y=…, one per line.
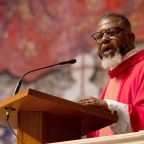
x=112, y=37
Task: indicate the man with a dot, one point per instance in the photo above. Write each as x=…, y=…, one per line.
x=124, y=91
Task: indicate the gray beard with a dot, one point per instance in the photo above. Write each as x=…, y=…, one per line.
x=111, y=62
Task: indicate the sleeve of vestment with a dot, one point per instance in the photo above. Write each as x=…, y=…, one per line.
x=123, y=125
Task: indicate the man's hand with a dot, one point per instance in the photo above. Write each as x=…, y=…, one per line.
x=94, y=102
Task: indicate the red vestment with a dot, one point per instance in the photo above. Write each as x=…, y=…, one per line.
x=130, y=74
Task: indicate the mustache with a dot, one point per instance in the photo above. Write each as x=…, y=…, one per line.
x=121, y=50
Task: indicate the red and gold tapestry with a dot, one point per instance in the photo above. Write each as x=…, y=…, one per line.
x=36, y=33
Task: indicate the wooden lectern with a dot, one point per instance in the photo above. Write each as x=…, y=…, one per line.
x=42, y=118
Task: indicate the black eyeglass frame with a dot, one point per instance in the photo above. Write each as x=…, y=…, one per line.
x=109, y=32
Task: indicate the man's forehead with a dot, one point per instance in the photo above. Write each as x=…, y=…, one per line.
x=108, y=23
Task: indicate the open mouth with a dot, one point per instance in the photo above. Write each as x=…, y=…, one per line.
x=108, y=51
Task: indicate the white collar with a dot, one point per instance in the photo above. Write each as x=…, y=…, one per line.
x=131, y=53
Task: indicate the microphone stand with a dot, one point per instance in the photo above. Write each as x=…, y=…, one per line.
x=9, y=108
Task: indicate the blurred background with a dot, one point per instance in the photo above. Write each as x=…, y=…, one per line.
x=37, y=33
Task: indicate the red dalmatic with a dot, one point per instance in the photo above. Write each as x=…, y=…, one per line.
x=128, y=78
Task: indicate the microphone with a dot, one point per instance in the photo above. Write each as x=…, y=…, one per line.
x=72, y=61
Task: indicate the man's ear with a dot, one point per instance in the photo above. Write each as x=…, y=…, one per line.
x=132, y=37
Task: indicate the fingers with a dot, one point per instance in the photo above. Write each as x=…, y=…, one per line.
x=89, y=101
x=94, y=102
x=90, y=98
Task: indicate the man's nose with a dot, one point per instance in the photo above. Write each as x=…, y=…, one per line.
x=105, y=38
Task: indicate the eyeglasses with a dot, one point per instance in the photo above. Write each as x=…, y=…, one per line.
x=111, y=32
